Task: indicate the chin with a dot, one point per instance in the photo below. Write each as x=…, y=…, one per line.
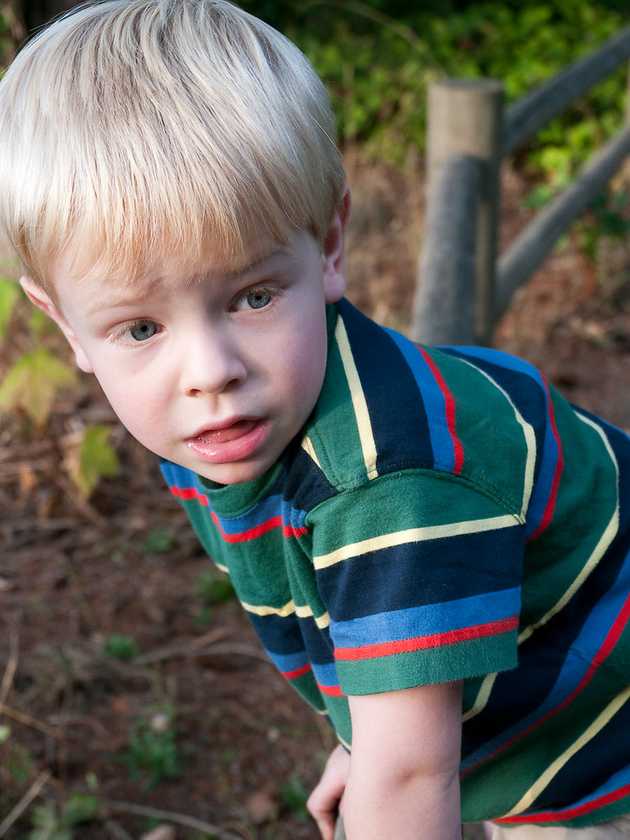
x=234, y=473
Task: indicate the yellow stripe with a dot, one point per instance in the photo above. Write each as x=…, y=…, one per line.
x=610, y=532
x=431, y=532
x=341, y=741
x=283, y=612
x=322, y=620
x=359, y=404
x=608, y=535
x=221, y=567
x=287, y=609
x=485, y=690
x=598, y=724
x=307, y=446
x=530, y=442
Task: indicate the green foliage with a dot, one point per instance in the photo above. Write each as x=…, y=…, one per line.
x=214, y=589
x=377, y=66
x=153, y=754
x=9, y=295
x=121, y=647
x=49, y=824
x=159, y=541
x=294, y=795
x=96, y=459
x=33, y=383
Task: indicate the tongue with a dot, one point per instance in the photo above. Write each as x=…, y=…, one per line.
x=231, y=433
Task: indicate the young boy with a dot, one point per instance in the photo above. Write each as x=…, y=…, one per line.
x=432, y=544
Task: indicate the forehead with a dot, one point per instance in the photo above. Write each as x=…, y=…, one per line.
x=76, y=272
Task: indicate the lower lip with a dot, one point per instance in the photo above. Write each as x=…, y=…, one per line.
x=237, y=449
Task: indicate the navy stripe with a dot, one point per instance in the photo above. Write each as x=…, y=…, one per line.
x=318, y=642
x=397, y=413
x=306, y=485
x=524, y=390
x=542, y=656
x=417, y=574
x=605, y=754
x=280, y=635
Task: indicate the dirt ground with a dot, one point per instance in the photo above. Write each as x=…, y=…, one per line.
x=196, y=732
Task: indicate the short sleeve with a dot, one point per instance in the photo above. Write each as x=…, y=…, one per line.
x=421, y=576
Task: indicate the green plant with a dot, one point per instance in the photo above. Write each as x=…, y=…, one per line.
x=294, y=795
x=50, y=823
x=159, y=541
x=213, y=589
x=121, y=647
x=152, y=753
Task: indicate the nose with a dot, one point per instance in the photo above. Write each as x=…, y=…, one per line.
x=212, y=363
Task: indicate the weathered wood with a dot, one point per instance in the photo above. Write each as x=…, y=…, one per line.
x=539, y=237
x=444, y=305
x=536, y=109
x=465, y=118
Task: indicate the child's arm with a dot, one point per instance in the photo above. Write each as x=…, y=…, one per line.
x=404, y=768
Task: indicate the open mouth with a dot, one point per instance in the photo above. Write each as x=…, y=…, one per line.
x=235, y=442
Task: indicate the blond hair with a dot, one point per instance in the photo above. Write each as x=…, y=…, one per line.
x=136, y=128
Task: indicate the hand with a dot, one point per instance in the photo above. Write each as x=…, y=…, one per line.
x=324, y=801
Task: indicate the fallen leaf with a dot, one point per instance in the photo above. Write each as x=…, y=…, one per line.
x=261, y=807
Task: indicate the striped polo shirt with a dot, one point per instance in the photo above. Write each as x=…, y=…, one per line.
x=445, y=514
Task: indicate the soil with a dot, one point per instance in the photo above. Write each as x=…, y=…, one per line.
x=222, y=739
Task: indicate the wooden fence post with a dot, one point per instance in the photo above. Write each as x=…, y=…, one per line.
x=465, y=121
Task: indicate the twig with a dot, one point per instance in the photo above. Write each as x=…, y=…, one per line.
x=117, y=831
x=27, y=720
x=24, y=802
x=186, y=648
x=170, y=816
x=9, y=671
x=239, y=650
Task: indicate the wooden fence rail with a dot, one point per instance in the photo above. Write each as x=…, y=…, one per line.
x=462, y=288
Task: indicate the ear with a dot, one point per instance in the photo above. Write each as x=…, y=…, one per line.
x=333, y=252
x=41, y=300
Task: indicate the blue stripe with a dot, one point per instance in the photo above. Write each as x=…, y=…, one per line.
x=577, y=663
x=326, y=674
x=397, y=413
x=288, y=661
x=425, y=621
x=266, y=509
x=421, y=574
x=498, y=366
x=441, y=439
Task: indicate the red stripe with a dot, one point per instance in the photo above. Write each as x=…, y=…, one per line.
x=290, y=531
x=451, y=637
x=602, y=654
x=553, y=496
x=258, y=530
x=570, y=813
x=296, y=672
x=330, y=690
x=188, y=493
x=450, y=410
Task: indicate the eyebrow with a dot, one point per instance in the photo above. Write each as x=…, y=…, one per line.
x=229, y=276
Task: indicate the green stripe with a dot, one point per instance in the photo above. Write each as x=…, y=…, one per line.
x=333, y=430
x=495, y=788
x=411, y=499
x=576, y=526
x=495, y=452
x=435, y=665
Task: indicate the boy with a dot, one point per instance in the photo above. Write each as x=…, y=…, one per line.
x=432, y=544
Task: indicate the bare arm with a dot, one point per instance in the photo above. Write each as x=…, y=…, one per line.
x=404, y=768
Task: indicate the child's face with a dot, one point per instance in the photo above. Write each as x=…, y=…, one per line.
x=219, y=374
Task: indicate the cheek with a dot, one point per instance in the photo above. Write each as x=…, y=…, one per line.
x=303, y=361
x=136, y=404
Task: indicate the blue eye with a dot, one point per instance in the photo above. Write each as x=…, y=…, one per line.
x=258, y=298
x=142, y=330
